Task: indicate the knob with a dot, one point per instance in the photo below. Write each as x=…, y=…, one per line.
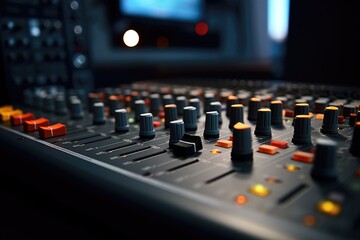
x=147, y=130
x=348, y=109
x=76, y=109
x=167, y=99
x=320, y=105
x=170, y=114
x=352, y=119
x=208, y=98
x=242, y=143
x=190, y=119
x=177, y=131
x=216, y=106
x=230, y=101
x=302, y=129
x=60, y=105
x=139, y=108
x=121, y=120
x=301, y=109
x=263, y=122
x=324, y=166
x=211, y=130
x=276, y=108
x=330, y=121
x=254, y=105
x=236, y=114
x=98, y=113
x=195, y=102
x=113, y=104
x=49, y=103
x=155, y=104
x=181, y=102
x=355, y=143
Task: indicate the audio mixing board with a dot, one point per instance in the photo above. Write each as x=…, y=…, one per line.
x=257, y=160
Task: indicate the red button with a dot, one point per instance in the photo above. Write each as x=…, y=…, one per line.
x=52, y=131
x=18, y=120
x=33, y=125
x=156, y=124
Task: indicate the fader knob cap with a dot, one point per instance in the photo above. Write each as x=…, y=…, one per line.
x=187, y=146
x=324, y=166
x=242, y=143
x=177, y=131
x=330, y=121
x=147, y=130
x=254, y=105
x=355, y=143
x=121, y=121
x=302, y=129
x=236, y=114
x=211, y=130
x=98, y=113
x=263, y=123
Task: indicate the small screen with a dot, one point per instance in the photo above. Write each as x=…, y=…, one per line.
x=182, y=10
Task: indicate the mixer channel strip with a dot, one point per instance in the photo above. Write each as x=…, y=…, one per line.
x=300, y=166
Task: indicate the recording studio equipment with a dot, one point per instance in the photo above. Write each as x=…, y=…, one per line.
x=193, y=120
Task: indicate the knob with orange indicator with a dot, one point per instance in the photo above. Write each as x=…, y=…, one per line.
x=242, y=143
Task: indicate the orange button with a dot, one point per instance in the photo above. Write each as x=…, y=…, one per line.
x=52, y=131
x=303, y=157
x=5, y=116
x=268, y=149
x=319, y=116
x=224, y=143
x=18, y=120
x=33, y=125
x=279, y=144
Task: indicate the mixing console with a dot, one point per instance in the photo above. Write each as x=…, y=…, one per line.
x=273, y=161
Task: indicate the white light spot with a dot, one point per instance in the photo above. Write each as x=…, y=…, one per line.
x=278, y=19
x=131, y=38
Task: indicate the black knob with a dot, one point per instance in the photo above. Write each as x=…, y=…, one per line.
x=155, y=104
x=216, y=106
x=60, y=105
x=170, y=114
x=254, y=105
x=208, y=98
x=230, y=101
x=276, y=108
x=330, y=121
x=301, y=109
x=236, y=114
x=320, y=105
x=348, y=109
x=242, y=143
x=147, y=130
x=355, y=143
x=139, y=109
x=113, y=104
x=211, y=130
x=76, y=109
x=177, y=131
x=181, y=102
x=195, y=102
x=98, y=113
x=263, y=122
x=190, y=119
x=324, y=166
x=302, y=130
x=167, y=99
x=121, y=120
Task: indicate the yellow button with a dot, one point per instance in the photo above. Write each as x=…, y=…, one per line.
x=6, y=108
x=259, y=190
x=292, y=167
x=5, y=116
x=329, y=208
